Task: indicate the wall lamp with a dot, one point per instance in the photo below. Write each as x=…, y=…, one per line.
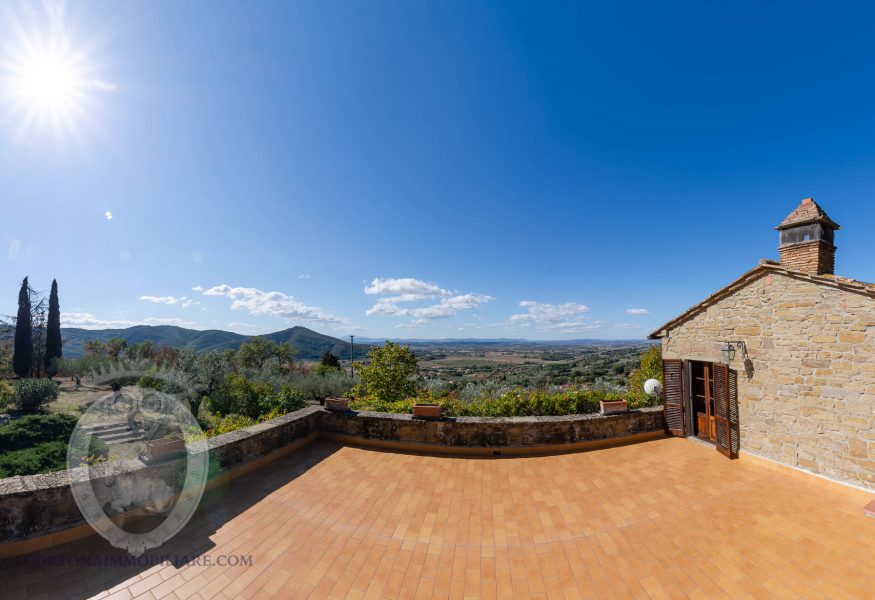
x=729, y=349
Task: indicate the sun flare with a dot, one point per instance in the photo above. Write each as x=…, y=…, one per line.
x=49, y=85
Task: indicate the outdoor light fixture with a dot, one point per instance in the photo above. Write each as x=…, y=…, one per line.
x=729, y=349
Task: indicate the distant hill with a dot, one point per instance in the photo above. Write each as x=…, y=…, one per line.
x=308, y=344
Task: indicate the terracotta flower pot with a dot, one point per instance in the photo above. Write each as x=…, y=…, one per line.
x=426, y=411
x=165, y=447
x=337, y=404
x=611, y=407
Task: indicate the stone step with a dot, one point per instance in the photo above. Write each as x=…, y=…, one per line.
x=123, y=440
x=116, y=435
x=101, y=427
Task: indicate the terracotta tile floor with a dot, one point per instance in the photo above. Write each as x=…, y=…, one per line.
x=663, y=519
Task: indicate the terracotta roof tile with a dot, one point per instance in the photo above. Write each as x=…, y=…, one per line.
x=807, y=212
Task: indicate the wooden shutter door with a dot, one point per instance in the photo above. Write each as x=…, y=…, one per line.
x=726, y=410
x=673, y=396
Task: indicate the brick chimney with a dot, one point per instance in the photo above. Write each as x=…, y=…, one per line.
x=807, y=240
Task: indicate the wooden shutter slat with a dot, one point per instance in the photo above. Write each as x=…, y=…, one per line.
x=673, y=395
x=734, y=435
x=726, y=410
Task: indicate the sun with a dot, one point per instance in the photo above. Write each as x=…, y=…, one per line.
x=48, y=84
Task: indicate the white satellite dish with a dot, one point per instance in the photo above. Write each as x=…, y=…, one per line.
x=652, y=387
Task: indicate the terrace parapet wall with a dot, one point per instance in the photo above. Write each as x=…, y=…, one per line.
x=41, y=508
x=494, y=433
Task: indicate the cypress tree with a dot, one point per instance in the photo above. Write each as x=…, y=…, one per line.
x=53, y=332
x=329, y=360
x=22, y=358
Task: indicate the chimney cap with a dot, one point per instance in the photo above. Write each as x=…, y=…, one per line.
x=807, y=212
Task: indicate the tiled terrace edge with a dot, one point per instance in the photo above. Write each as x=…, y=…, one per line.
x=38, y=511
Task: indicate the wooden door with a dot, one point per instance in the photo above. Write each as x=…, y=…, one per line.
x=726, y=410
x=703, y=400
x=673, y=395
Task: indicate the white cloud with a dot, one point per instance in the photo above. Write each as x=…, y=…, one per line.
x=549, y=313
x=557, y=318
x=108, y=215
x=86, y=320
x=89, y=321
x=161, y=299
x=304, y=276
x=408, y=289
x=197, y=288
x=274, y=304
x=103, y=86
x=406, y=286
x=238, y=325
x=14, y=247
x=637, y=311
x=168, y=321
x=187, y=302
x=628, y=326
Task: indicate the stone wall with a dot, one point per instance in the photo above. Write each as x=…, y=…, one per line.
x=494, y=433
x=807, y=396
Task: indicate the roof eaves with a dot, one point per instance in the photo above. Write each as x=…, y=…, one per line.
x=765, y=265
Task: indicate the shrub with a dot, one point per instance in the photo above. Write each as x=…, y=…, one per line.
x=32, y=395
x=7, y=393
x=287, y=400
x=242, y=396
x=229, y=423
x=33, y=430
x=321, y=384
x=516, y=403
x=650, y=367
x=160, y=384
x=42, y=458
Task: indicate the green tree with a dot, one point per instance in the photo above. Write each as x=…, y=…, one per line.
x=650, y=367
x=391, y=374
x=210, y=369
x=94, y=348
x=22, y=359
x=329, y=361
x=53, y=332
x=115, y=346
x=257, y=352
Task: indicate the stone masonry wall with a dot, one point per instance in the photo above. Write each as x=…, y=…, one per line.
x=807, y=397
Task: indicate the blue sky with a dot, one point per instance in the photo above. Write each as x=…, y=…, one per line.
x=400, y=169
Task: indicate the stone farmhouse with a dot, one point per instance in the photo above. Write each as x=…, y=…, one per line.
x=780, y=363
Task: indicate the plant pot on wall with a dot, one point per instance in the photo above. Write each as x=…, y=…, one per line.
x=164, y=448
x=426, y=411
x=612, y=407
x=337, y=404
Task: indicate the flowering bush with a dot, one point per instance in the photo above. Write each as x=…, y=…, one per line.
x=516, y=403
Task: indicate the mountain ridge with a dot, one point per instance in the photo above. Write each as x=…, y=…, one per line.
x=308, y=344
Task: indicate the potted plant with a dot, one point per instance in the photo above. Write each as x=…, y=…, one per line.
x=611, y=407
x=426, y=410
x=337, y=404
x=166, y=447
